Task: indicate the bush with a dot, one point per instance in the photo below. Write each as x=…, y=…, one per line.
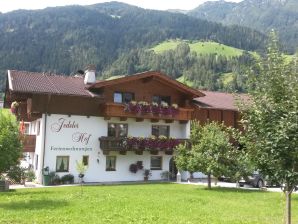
x=56, y=180
x=133, y=168
x=17, y=174
x=67, y=179
x=30, y=175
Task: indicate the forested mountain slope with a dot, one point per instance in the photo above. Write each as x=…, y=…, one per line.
x=65, y=39
x=263, y=15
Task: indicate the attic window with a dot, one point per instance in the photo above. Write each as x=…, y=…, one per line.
x=159, y=99
x=123, y=97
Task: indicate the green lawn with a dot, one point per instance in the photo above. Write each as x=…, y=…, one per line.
x=148, y=203
x=208, y=47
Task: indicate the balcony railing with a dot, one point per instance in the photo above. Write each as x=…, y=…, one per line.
x=29, y=142
x=118, y=110
x=139, y=145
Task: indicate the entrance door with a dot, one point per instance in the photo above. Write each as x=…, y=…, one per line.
x=173, y=169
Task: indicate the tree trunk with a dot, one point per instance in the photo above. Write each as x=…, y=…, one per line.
x=288, y=206
x=209, y=180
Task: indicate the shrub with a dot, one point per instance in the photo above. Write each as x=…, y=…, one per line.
x=30, y=175
x=56, y=180
x=133, y=168
x=68, y=178
x=17, y=174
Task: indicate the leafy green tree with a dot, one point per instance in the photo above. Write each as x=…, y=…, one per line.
x=270, y=121
x=10, y=146
x=211, y=151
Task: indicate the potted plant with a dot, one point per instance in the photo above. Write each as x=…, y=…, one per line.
x=147, y=173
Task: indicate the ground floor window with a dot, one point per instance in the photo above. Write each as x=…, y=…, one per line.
x=156, y=163
x=62, y=163
x=111, y=163
x=85, y=160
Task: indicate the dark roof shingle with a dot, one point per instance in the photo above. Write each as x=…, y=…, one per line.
x=34, y=82
x=219, y=100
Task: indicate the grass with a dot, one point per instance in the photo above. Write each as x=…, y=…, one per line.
x=147, y=203
x=208, y=47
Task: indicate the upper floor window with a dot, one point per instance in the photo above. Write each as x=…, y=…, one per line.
x=159, y=99
x=158, y=130
x=117, y=130
x=123, y=97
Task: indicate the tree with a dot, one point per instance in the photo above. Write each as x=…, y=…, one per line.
x=10, y=146
x=270, y=121
x=211, y=151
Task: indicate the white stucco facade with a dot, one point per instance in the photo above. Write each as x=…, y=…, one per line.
x=78, y=136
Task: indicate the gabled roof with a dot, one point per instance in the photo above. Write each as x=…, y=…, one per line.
x=145, y=75
x=219, y=100
x=45, y=83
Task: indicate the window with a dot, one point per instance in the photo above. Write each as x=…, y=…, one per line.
x=124, y=97
x=27, y=126
x=156, y=163
x=62, y=163
x=159, y=99
x=85, y=160
x=117, y=97
x=158, y=130
x=117, y=130
x=111, y=163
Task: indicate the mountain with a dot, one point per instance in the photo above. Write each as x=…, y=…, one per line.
x=65, y=39
x=263, y=15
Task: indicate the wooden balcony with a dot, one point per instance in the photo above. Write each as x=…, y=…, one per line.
x=118, y=110
x=109, y=144
x=29, y=142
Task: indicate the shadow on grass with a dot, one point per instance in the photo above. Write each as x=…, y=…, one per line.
x=33, y=204
x=13, y=192
x=234, y=190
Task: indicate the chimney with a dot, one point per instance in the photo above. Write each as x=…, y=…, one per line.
x=90, y=74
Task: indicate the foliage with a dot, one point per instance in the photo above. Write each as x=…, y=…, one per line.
x=262, y=15
x=30, y=175
x=80, y=167
x=147, y=173
x=56, y=180
x=17, y=174
x=144, y=107
x=211, y=151
x=201, y=71
x=64, y=39
x=10, y=146
x=67, y=178
x=270, y=120
x=142, y=203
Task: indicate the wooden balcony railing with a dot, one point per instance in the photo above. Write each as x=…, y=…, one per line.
x=29, y=142
x=118, y=110
x=122, y=145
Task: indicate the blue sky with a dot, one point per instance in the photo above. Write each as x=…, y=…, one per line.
x=10, y=5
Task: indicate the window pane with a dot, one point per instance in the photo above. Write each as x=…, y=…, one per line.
x=111, y=163
x=112, y=130
x=156, y=163
x=155, y=130
x=166, y=99
x=158, y=130
x=127, y=97
x=122, y=130
x=117, y=97
x=85, y=160
x=164, y=130
x=62, y=163
x=156, y=99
